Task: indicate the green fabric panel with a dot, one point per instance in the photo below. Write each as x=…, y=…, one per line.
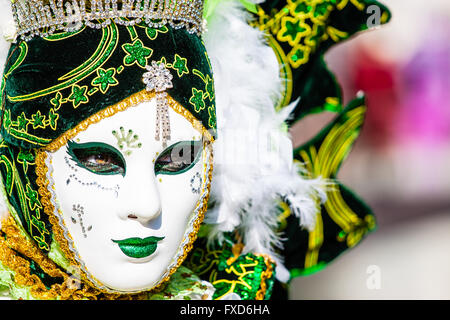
x=301, y=31
x=18, y=172
x=333, y=145
x=53, y=84
x=242, y=275
x=316, y=85
x=296, y=243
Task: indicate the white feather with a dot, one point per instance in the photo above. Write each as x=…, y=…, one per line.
x=253, y=153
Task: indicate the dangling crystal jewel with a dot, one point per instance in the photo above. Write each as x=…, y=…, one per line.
x=158, y=78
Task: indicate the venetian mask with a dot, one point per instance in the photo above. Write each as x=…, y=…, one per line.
x=106, y=155
x=130, y=205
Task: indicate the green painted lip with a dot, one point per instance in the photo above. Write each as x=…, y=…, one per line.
x=138, y=247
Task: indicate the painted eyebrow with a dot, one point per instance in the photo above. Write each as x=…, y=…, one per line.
x=71, y=145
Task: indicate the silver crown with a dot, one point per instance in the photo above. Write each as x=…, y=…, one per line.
x=45, y=17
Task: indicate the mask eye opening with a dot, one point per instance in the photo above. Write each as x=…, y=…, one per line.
x=179, y=157
x=97, y=157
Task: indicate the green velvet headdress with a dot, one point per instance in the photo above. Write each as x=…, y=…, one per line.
x=52, y=84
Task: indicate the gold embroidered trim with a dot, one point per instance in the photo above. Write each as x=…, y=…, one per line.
x=133, y=100
x=197, y=223
x=46, y=196
x=13, y=243
x=265, y=275
x=186, y=114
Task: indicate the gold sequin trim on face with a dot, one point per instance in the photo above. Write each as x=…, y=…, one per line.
x=202, y=208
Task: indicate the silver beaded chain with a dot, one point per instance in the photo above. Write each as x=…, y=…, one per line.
x=158, y=78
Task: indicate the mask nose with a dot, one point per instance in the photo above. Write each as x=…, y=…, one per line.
x=139, y=199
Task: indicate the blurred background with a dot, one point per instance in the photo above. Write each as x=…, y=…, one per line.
x=401, y=163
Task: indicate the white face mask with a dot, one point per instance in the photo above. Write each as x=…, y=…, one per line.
x=127, y=206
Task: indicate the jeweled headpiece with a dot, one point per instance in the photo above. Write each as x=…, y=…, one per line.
x=44, y=17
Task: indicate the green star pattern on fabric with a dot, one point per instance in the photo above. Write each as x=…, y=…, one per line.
x=180, y=64
x=53, y=118
x=32, y=196
x=152, y=33
x=7, y=119
x=56, y=101
x=78, y=95
x=293, y=29
x=25, y=157
x=197, y=100
x=105, y=79
x=209, y=87
x=22, y=122
x=136, y=53
x=38, y=120
x=212, y=117
x=299, y=54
